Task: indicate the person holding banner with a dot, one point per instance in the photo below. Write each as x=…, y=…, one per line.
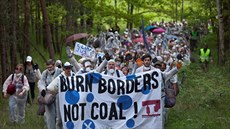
x=111, y=69
x=125, y=70
x=87, y=66
x=47, y=76
x=54, y=87
x=147, y=59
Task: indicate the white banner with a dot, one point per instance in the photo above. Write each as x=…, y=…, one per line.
x=84, y=51
x=98, y=101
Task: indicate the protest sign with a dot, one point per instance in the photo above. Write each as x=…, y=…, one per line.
x=84, y=51
x=98, y=101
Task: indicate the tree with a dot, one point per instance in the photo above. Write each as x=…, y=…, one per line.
x=48, y=38
x=5, y=31
x=38, y=22
x=226, y=20
x=13, y=32
x=130, y=13
x=26, y=27
x=221, y=54
x=182, y=10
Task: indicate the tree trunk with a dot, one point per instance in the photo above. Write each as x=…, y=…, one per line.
x=173, y=10
x=226, y=20
x=130, y=13
x=69, y=20
x=115, y=5
x=26, y=45
x=13, y=34
x=6, y=28
x=47, y=30
x=221, y=34
x=32, y=17
x=82, y=20
x=3, y=49
x=56, y=35
x=177, y=10
x=182, y=11
x=38, y=23
x=89, y=23
x=53, y=37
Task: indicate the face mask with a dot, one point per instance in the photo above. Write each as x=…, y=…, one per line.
x=18, y=74
x=59, y=66
x=87, y=69
x=111, y=71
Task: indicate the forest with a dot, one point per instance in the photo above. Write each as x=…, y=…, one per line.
x=41, y=26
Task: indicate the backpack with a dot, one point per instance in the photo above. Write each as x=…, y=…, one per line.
x=170, y=96
x=11, y=89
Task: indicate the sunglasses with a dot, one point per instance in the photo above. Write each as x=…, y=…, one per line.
x=18, y=68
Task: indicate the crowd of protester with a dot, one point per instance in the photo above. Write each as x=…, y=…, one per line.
x=117, y=54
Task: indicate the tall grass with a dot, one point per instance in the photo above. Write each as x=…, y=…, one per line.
x=203, y=99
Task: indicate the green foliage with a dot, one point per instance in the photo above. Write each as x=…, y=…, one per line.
x=56, y=12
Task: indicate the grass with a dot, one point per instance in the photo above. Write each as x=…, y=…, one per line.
x=32, y=120
x=203, y=99
x=201, y=104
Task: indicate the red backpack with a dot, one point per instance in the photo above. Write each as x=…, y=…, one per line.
x=11, y=89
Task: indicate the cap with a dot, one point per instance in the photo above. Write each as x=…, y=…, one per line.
x=67, y=64
x=28, y=59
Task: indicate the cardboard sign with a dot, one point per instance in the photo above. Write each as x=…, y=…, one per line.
x=84, y=51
